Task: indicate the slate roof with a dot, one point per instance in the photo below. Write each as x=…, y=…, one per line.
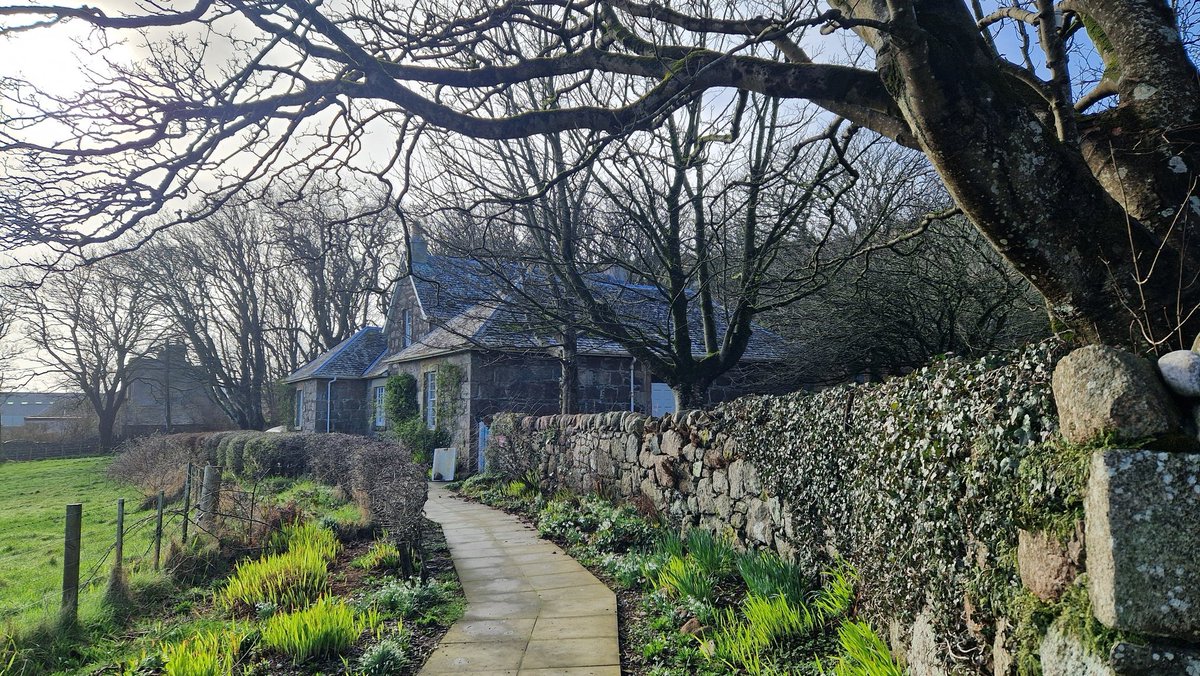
x=15, y=407
x=471, y=310
x=350, y=358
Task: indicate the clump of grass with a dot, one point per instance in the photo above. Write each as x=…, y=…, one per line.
x=209, y=653
x=669, y=543
x=682, y=577
x=714, y=555
x=742, y=640
x=118, y=598
x=739, y=642
x=383, y=555
x=327, y=627
x=306, y=535
x=690, y=566
x=836, y=595
x=861, y=653
x=289, y=579
x=768, y=575
x=519, y=489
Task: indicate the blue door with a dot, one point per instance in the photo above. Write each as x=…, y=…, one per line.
x=483, y=439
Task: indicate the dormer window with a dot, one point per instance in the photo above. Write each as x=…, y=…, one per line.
x=406, y=323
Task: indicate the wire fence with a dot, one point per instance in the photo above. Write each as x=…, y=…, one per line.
x=24, y=450
x=208, y=507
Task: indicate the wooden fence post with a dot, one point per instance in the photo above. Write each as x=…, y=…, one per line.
x=209, y=488
x=187, y=501
x=70, y=586
x=158, y=530
x=120, y=546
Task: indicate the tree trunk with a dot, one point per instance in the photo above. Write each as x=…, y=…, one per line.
x=690, y=396
x=568, y=380
x=1109, y=276
x=107, y=428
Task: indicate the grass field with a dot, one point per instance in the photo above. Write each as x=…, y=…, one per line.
x=33, y=499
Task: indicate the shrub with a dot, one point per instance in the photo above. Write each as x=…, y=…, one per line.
x=415, y=435
x=591, y=520
x=620, y=529
x=231, y=449
x=328, y=457
x=212, y=442
x=273, y=454
x=565, y=520
x=511, y=451
x=196, y=562
x=159, y=463
x=327, y=627
x=389, y=487
x=210, y=653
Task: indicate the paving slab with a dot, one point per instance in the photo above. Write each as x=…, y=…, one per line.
x=531, y=609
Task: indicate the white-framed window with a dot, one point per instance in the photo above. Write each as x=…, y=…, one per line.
x=431, y=399
x=380, y=418
x=299, y=408
x=406, y=323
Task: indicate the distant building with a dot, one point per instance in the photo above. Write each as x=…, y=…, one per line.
x=450, y=327
x=167, y=393
x=17, y=407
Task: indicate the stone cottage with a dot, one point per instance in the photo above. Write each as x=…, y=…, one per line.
x=474, y=354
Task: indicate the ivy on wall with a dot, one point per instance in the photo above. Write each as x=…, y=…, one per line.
x=449, y=393
x=400, y=398
x=404, y=422
x=922, y=482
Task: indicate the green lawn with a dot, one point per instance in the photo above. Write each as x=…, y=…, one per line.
x=33, y=499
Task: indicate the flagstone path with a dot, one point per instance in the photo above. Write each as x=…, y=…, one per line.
x=531, y=609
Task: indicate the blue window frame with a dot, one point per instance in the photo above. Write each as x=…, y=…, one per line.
x=380, y=418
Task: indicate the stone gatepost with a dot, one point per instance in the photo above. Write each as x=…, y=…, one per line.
x=1142, y=514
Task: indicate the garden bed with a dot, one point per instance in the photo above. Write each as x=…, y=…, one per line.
x=689, y=604
x=217, y=601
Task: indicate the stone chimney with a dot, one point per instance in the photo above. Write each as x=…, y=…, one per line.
x=418, y=251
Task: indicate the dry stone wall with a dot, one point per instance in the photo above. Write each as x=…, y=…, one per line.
x=922, y=483
x=946, y=489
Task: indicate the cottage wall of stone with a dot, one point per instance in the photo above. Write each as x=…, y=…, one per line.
x=404, y=299
x=343, y=400
x=460, y=429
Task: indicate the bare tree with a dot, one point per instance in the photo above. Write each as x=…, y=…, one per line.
x=892, y=311
x=256, y=290
x=213, y=281
x=669, y=246
x=341, y=245
x=1086, y=184
x=8, y=349
x=87, y=326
